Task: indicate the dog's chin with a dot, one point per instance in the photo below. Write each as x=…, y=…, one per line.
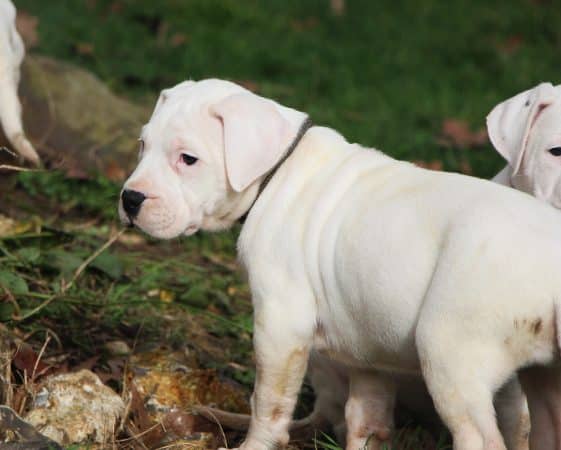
x=166, y=233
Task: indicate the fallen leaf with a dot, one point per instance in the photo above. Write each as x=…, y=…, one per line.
x=465, y=167
x=116, y=7
x=178, y=39
x=140, y=419
x=456, y=133
x=338, y=7
x=84, y=48
x=510, y=45
x=115, y=172
x=249, y=85
x=309, y=23
x=27, y=360
x=166, y=296
x=26, y=25
x=76, y=173
x=431, y=165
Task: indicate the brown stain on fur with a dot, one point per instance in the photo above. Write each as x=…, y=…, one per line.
x=294, y=363
x=537, y=326
x=534, y=326
x=276, y=413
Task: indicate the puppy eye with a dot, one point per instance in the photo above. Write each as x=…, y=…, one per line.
x=555, y=151
x=188, y=159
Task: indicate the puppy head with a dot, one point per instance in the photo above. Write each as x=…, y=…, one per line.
x=203, y=154
x=526, y=131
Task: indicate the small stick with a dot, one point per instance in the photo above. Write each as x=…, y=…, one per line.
x=78, y=272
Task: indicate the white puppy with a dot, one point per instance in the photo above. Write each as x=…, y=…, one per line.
x=11, y=55
x=383, y=266
x=533, y=153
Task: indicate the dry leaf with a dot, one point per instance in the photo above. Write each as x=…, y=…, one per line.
x=456, y=133
x=116, y=7
x=26, y=25
x=338, y=7
x=84, y=48
x=114, y=172
x=465, y=167
x=249, y=85
x=510, y=45
x=432, y=165
x=27, y=360
x=178, y=39
x=306, y=24
x=166, y=296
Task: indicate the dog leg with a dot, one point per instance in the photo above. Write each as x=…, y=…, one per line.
x=543, y=389
x=281, y=354
x=461, y=380
x=11, y=56
x=369, y=410
x=513, y=415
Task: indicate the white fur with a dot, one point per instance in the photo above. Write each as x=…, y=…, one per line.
x=11, y=55
x=381, y=266
x=523, y=129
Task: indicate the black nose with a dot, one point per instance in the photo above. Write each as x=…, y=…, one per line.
x=132, y=201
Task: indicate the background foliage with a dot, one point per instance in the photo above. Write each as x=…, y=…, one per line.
x=413, y=78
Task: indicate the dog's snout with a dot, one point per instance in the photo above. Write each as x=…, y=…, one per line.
x=132, y=201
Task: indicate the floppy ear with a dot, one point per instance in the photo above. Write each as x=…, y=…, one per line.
x=510, y=122
x=257, y=133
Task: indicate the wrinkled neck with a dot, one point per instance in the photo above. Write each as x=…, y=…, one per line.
x=233, y=208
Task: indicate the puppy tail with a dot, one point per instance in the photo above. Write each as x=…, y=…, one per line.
x=240, y=422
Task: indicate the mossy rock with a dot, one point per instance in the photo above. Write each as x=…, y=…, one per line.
x=76, y=122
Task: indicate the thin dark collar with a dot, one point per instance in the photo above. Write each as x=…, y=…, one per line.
x=306, y=125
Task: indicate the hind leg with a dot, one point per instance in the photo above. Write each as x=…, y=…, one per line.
x=462, y=374
x=369, y=410
x=542, y=386
x=513, y=415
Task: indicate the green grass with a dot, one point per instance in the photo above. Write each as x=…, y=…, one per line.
x=386, y=74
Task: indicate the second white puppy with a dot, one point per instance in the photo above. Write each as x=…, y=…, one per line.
x=383, y=266
x=11, y=55
x=533, y=153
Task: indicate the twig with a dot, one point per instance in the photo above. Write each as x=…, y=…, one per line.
x=12, y=300
x=19, y=168
x=77, y=273
x=12, y=167
x=7, y=150
x=43, y=348
x=219, y=427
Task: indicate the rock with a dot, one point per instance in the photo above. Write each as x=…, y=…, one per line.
x=76, y=408
x=117, y=348
x=76, y=122
x=168, y=380
x=166, y=386
x=27, y=438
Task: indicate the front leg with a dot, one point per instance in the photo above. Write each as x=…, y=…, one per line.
x=282, y=341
